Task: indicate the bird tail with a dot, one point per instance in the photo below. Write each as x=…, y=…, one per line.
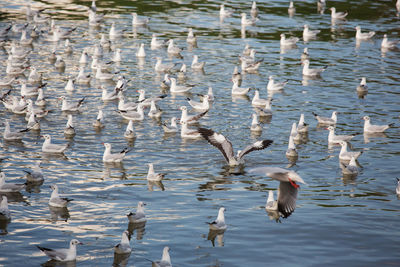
x=81, y=102
x=391, y=125
x=315, y=114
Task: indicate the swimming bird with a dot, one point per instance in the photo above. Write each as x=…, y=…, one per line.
x=166, y=67
x=291, y=9
x=266, y=111
x=288, y=187
x=302, y=127
x=9, y=135
x=257, y=101
x=251, y=67
x=135, y=115
x=146, y=102
x=225, y=146
x=34, y=76
x=70, y=106
x=129, y=132
x=141, y=53
x=172, y=48
x=114, y=33
x=152, y=176
x=174, y=88
x=236, y=90
x=60, y=63
x=48, y=147
x=33, y=123
x=362, y=87
x=247, y=22
x=210, y=95
x=325, y=120
x=165, y=259
x=126, y=106
x=196, y=65
x=35, y=175
x=99, y=123
x=309, y=34
x=371, y=128
x=62, y=254
x=69, y=127
x=287, y=42
x=254, y=10
x=363, y=35
x=155, y=112
x=82, y=77
x=9, y=187
x=5, y=213
x=236, y=75
x=347, y=155
x=200, y=106
x=191, y=38
x=305, y=55
x=351, y=169
x=311, y=72
x=108, y=96
x=224, y=13
x=117, y=55
x=55, y=199
x=337, y=15
x=335, y=139
x=219, y=223
x=255, y=126
x=273, y=86
x=187, y=133
x=138, y=216
x=173, y=128
x=386, y=44
x=70, y=85
x=136, y=21
x=271, y=204
x=113, y=157
x=291, y=150
x=155, y=43
x=193, y=119
x=123, y=247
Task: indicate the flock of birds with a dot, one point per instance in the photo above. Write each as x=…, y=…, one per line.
x=31, y=102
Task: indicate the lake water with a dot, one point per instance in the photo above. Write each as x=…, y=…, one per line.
x=337, y=221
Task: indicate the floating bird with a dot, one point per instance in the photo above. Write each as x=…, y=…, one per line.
x=236, y=76
x=386, y=44
x=109, y=96
x=188, y=133
x=370, y=128
x=225, y=146
x=70, y=106
x=363, y=36
x=99, y=123
x=247, y=22
x=362, y=87
x=336, y=139
x=48, y=147
x=311, y=72
x=137, y=115
x=254, y=10
x=347, y=155
x=291, y=9
x=138, y=216
x=156, y=44
x=165, y=259
x=191, y=38
x=35, y=175
x=69, y=127
x=193, y=119
x=302, y=127
x=305, y=55
x=152, y=176
x=255, y=126
x=160, y=67
x=325, y=120
x=219, y=223
x=129, y=132
x=196, y=65
x=257, y=101
x=33, y=123
x=266, y=111
x=174, y=88
x=273, y=86
x=146, y=102
x=113, y=157
x=70, y=85
x=141, y=53
x=224, y=13
x=139, y=22
x=351, y=169
x=155, y=112
x=62, y=254
x=123, y=247
x=9, y=135
x=200, y=106
x=271, y=204
x=236, y=90
x=117, y=55
x=9, y=187
x=173, y=49
x=291, y=150
x=337, y=15
x=288, y=42
x=309, y=34
x=55, y=199
x=288, y=187
x=5, y=213
x=173, y=128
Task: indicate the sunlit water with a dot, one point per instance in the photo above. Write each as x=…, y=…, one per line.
x=337, y=221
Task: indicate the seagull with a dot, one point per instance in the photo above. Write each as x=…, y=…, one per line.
x=34, y=76
x=386, y=44
x=84, y=59
x=114, y=33
x=309, y=34
x=223, y=13
x=362, y=87
x=302, y=127
x=271, y=204
x=200, y=106
x=40, y=100
x=99, y=123
x=139, y=22
x=116, y=157
x=193, y=119
x=9, y=135
x=69, y=127
x=188, y=133
x=35, y=175
x=236, y=90
x=337, y=15
x=174, y=88
x=70, y=85
x=82, y=78
x=370, y=128
x=273, y=86
x=251, y=67
x=210, y=95
x=67, y=47
x=196, y=65
x=219, y=223
x=289, y=41
x=173, y=49
x=255, y=125
x=60, y=63
x=291, y=151
x=156, y=44
x=293, y=132
x=165, y=259
x=191, y=38
x=160, y=67
x=347, y=155
x=141, y=53
x=62, y=254
x=129, y=132
x=351, y=169
x=9, y=187
x=247, y=22
x=173, y=128
x=254, y=10
x=138, y=216
x=5, y=213
x=123, y=247
x=291, y=9
x=335, y=139
x=325, y=120
x=266, y=111
x=70, y=106
x=126, y=106
x=33, y=123
x=305, y=55
x=152, y=176
x=48, y=147
x=288, y=187
x=257, y=101
x=155, y=112
x=363, y=36
x=225, y=146
x=146, y=102
x=132, y=114
x=236, y=75
x=311, y=72
x=56, y=200
x=117, y=55
x=108, y=96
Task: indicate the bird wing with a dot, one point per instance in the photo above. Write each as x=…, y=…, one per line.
x=196, y=117
x=219, y=141
x=60, y=254
x=259, y=145
x=287, y=196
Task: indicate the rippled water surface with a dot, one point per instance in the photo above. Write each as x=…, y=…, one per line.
x=337, y=220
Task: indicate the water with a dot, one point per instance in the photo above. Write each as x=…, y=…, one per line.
x=337, y=221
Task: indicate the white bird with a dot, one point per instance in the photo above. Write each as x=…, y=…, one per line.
x=337, y=15
x=69, y=127
x=173, y=49
x=48, y=147
x=257, y=101
x=363, y=36
x=219, y=223
x=156, y=44
x=193, y=119
x=34, y=76
x=271, y=204
x=191, y=38
x=129, y=132
x=251, y=67
x=9, y=187
x=117, y=55
x=210, y=94
x=155, y=112
x=287, y=42
x=126, y=106
x=138, y=216
x=325, y=120
x=108, y=96
x=200, y=106
x=152, y=176
x=302, y=127
x=254, y=10
x=141, y=53
x=139, y=22
x=236, y=90
x=273, y=86
x=174, y=88
x=165, y=259
x=60, y=63
x=123, y=247
x=224, y=13
x=225, y=146
x=291, y=9
x=35, y=175
x=40, y=100
x=311, y=72
x=100, y=75
x=166, y=67
x=386, y=44
x=336, y=139
x=309, y=34
x=99, y=123
x=352, y=168
x=362, y=87
x=371, y=128
x=291, y=150
x=173, y=128
x=137, y=115
x=33, y=123
x=84, y=59
x=266, y=111
x=146, y=102
x=94, y=18
x=255, y=126
x=70, y=106
x=196, y=65
x=247, y=22
x=347, y=155
x=114, y=33
x=70, y=85
x=236, y=75
x=5, y=213
x=82, y=77
x=187, y=133
x=62, y=254
x=305, y=55
x=288, y=187
x=55, y=199
x=113, y=157
x=9, y=135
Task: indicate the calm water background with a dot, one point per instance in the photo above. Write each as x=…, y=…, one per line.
x=337, y=221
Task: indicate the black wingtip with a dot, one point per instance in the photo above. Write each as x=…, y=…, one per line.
x=391, y=124
x=315, y=114
x=267, y=142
